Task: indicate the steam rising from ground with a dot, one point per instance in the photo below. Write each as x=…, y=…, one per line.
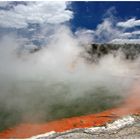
x=57, y=75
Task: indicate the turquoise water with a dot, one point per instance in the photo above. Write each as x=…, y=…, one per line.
x=38, y=102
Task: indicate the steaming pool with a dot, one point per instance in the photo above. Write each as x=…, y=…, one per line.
x=37, y=101
x=53, y=67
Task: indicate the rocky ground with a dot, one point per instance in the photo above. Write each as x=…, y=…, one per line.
x=127, y=127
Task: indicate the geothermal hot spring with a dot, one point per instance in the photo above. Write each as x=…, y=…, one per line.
x=65, y=78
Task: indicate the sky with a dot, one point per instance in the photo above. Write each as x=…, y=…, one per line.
x=104, y=22
x=90, y=14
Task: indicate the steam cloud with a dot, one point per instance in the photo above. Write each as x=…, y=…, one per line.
x=58, y=73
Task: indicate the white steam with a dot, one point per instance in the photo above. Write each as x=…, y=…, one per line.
x=60, y=62
x=31, y=83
